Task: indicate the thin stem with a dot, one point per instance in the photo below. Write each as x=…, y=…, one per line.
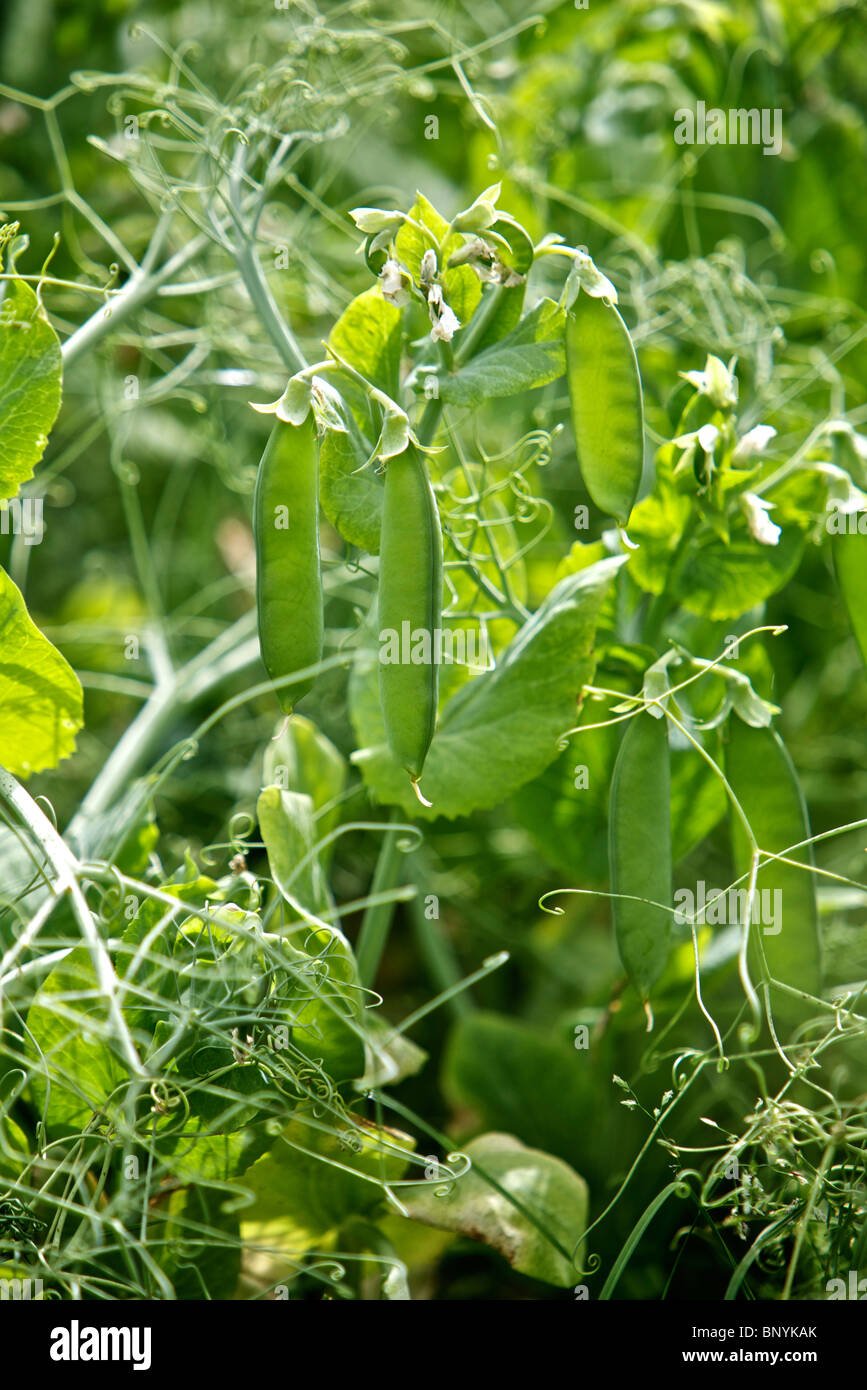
x=376, y=923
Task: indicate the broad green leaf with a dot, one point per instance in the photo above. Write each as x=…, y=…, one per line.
x=710, y=578
x=763, y=778
x=323, y=1005
x=501, y=728
x=198, y=1243
x=286, y=822
x=850, y=562
x=461, y=286
x=75, y=1071
x=41, y=705
x=390, y=1056
x=518, y=1078
x=367, y=336
x=30, y=377
x=531, y=355
x=302, y=759
x=607, y=404
x=537, y=1231
x=320, y=1173
x=350, y=489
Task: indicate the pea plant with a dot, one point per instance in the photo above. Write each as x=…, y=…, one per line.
x=202, y=1092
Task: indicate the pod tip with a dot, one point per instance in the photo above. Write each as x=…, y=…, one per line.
x=418, y=791
x=649, y=1014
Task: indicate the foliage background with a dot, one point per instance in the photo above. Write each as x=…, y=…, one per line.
x=147, y=503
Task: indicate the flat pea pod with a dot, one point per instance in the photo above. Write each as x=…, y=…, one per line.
x=607, y=404
x=288, y=570
x=784, y=932
x=410, y=601
x=639, y=851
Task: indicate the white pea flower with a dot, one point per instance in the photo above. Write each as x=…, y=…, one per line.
x=392, y=281
x=718, y=382
x=585, y=275
x=755, y=441
x=760, y=526
x=428, y=269
x=444, y=320
x=704, y=439
x=859, y=441
x=843, y=495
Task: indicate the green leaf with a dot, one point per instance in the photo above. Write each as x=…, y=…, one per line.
x=350, y=488
x=536, y=1231
x=198, y=1242
x=531, y=355
x=501, y=728
x=710, y=578
x=765, y=782
x=41, y=703
x=327, y=1022
x=316, y=1177
x=30, y=377
x=607, y=405
x=850, y=562
x=367, y=336
x=286, y=822
x=74, y=1072
x=301, y=759
x=518, y=1078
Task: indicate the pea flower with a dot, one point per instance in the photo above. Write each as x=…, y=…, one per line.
x=444, y=320
x=755, y=441
x=393, y=280
x=585, y=275
x=759, y=524
x=718, y=382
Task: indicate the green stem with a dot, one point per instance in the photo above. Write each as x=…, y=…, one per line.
x=265, y=305
x=664, y=601
x=438, y=957
x=376, y=923
x=140, y=287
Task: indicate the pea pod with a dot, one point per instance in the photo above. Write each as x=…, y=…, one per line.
x=607, y=407
x=639, y=851
x=786, y=946
x=410, y=602
x=288, y=573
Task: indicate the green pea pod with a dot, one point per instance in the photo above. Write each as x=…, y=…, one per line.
x=607, y=407
x=288, y=572
x=784, y=918
x=639, y=851
x=410, y=606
